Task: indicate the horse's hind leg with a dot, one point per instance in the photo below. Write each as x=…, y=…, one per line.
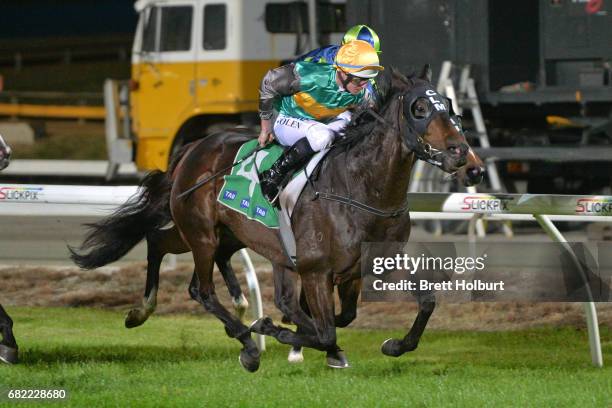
x=228, y=247
x=8, y=345
x=203, y=256
x=395, y=347
x=140, y=314
x=239, y=301
x=159, y=243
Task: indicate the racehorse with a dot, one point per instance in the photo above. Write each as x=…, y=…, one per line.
x=8, y=345
x=370, y=165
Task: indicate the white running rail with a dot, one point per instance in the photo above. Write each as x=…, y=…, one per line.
x=47, y=200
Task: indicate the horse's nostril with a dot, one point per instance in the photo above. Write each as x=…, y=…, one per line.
x=475, y=172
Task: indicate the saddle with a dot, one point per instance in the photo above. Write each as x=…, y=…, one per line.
x=241, y=191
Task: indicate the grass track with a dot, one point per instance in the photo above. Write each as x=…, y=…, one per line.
x=189, y=361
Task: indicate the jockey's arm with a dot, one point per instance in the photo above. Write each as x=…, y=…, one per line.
x=278, y=82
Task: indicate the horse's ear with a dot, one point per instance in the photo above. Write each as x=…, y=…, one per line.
x=426, y=73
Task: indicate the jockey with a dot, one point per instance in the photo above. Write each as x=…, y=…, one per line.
x=313, y=101
x=327, y=54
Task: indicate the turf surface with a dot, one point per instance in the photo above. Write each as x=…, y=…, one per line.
x=188, y=361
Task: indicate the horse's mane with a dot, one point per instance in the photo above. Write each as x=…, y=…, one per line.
x=388, y=84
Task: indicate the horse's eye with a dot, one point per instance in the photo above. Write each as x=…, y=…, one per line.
x=421, y=109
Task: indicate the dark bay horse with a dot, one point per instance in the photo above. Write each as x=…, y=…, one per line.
x=373, y=167
x=8, y=345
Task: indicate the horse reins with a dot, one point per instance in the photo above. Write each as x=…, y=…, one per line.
x=423, y=151
x=361, y=206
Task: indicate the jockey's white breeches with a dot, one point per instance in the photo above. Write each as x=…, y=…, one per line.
x=289, y=130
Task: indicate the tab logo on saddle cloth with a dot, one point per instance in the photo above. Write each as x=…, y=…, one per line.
x=229, y=195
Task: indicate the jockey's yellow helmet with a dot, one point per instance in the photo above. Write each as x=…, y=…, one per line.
x=359, y=59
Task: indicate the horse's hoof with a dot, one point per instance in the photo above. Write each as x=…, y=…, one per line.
x=249, y=361
x=241, y=305
x=8, y=354
x=337, y=359
x=261, y=325
x=257, y=325
x=295, y=355
x=135, y=318
x=392, y=348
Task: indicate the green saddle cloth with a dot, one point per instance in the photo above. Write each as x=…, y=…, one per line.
x=241, y=191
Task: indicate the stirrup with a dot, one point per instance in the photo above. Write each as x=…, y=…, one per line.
x=274, y=200
x=272, y=185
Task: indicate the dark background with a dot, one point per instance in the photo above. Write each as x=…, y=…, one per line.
x=44, y=42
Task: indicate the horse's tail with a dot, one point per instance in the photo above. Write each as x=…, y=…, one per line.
x=111, y=238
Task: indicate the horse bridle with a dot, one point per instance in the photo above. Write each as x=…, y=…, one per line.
x=438, y=105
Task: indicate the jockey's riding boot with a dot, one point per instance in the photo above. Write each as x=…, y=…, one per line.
x=296, y=156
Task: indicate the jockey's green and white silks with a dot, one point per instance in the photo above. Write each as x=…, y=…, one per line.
x=319, y=97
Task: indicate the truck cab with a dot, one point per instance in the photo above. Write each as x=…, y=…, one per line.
x=197, y=65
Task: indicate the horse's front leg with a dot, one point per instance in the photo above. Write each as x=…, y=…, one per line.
x=395, y=347
x=288, y=301
x=318, y=291
x=285, y=296
x=348, y=292
x=8, y=345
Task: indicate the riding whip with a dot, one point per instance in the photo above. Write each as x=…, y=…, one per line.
x=217, y=174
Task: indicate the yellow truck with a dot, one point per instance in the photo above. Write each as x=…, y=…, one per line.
x=197, y=64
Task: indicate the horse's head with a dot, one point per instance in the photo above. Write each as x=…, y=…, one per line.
x=434, y=132
x=5, y=154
